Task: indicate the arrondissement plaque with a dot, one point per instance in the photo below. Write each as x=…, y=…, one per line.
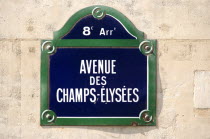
x=98, y=70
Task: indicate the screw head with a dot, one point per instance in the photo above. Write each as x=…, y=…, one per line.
x=147, y=48
x=49, y=117
x=49, y=47
x=147, y=117
x=98, y=13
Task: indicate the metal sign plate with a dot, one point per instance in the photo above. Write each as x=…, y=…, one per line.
x=98, y=70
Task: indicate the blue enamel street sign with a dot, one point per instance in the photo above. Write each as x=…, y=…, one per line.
x=98, y=70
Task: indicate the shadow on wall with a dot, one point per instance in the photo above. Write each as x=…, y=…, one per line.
x=127, y=129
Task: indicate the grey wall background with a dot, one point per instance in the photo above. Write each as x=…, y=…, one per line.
x=182, y=28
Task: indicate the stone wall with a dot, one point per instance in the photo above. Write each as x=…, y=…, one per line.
x=182, y=28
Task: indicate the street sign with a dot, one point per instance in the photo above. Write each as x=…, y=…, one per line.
x=98, y=70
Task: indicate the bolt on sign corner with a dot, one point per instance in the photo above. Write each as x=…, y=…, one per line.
x=98, y=70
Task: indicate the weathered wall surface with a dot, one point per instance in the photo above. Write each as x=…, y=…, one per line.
x=182, y=28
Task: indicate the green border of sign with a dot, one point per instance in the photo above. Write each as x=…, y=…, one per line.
x=147, y=47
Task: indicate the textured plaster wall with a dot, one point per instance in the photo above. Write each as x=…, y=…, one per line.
x=182, y=28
